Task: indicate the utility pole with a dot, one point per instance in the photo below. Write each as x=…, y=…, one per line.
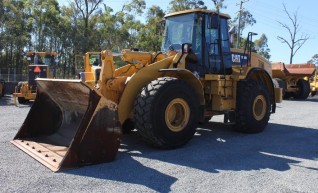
x=239, y=24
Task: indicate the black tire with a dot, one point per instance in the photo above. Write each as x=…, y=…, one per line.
x=22, y=100
x=303, y=89
x=313, y=93
x=167, y=113
x=253, y=107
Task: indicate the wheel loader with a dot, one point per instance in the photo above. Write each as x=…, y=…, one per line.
x=40, y=66
x=164, y=95
x=294, y=79
x=88, y=67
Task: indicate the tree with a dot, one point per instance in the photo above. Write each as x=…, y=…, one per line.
x=295, y=43
x=261, y=47
x=180, y=5
x=219, y=5
x=87, y=8
x=314, y=60
x=246, y=19
x=148, y=36
x=43, y=16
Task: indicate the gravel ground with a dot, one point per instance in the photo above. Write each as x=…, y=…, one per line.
x=283, y=158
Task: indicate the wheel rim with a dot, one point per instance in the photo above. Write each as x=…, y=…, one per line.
x=177, y=114
x=259, y=107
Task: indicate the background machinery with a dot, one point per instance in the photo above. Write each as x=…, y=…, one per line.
x=87, y=67
x=293, y=78
x=41, y=65
x=314, y=84
x=164, y=94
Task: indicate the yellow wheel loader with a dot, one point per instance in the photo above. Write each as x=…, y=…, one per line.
x=163, y=95
x=88, y=67
x=41, y=65
x=294, y=79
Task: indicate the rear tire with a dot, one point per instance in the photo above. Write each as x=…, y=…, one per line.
x=303, y=89
x=253, y=107
x=167, y=113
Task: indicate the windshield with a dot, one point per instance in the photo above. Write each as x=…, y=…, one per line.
x=94, y=59
x=41, y=59
x=178, y=30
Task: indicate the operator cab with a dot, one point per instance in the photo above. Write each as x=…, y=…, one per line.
x=207, y=32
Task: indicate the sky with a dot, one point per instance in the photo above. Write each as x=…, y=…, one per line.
x=267, y=13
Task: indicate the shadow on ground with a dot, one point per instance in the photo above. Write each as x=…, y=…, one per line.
x=215, y=147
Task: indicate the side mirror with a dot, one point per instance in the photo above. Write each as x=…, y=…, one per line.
x=186, y=48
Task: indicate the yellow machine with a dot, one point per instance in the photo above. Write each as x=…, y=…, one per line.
x=88, y=68
x=293, y=78
x=165, y=95
x=314, y=84
x=40, y=66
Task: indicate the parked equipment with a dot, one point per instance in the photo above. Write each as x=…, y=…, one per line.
x=293, y=78
x=314, y=84
x=88, y=68
x=41, y=65
x=164, y=95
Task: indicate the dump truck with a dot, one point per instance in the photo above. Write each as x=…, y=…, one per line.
x=40, y=65
x=293, y=78
x=164, y=94
x=314, y=84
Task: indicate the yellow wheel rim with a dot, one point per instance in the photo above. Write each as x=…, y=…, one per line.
x=259, y=107
x=177, y=114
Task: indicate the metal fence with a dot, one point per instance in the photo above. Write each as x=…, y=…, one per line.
x=10, y=75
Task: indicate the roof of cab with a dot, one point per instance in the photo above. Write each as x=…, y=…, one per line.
x=197, y=10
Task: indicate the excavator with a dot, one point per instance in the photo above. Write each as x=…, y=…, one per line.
x=163, y=95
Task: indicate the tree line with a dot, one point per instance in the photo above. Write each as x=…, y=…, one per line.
x=89, y=25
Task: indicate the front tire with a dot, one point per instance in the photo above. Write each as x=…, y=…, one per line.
x=253, y=107
x=167, y=113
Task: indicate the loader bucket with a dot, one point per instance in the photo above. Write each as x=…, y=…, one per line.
x=69, y=125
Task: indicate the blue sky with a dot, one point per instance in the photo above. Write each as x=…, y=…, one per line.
x=266, y=13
